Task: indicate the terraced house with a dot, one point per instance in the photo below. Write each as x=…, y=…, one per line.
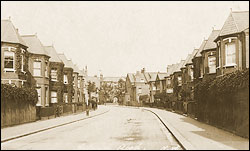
x=67, y=79
x=39, y=67
x=14, y=56
x=56, y=76
x=233, y=43
x=209, y=55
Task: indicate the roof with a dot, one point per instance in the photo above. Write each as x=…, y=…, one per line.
x=113, y=79
x=237, y=21
x=64, y=60
x=81, y=73
x=10, y=34
x=210, y=44
x=186, y=60
x=71, y=64
x=150, y=76
x=191, y=57
x=94, y=79
x=161, y=76
x=139, y=76
x=178, y=68
x=198, y=54
x=53, y=54
x=34, y=44
x=131, y=77
x=170, y=69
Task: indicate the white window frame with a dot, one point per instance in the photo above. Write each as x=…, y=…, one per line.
x=226, y=53
x=36, y=61
x=191, y=74
x=53, y=77
x=179, y=80
x=39, y=103
x=47, y=96
x=65, y=79
x=66, y=97
x=46, y=69
x=78, y=83
x=53, y=96
x=209, y=65
x=9, y=49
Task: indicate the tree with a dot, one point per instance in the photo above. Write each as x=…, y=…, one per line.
x=91, y=88
x=121, y=90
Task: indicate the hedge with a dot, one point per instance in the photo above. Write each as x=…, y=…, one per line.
x=24, y=95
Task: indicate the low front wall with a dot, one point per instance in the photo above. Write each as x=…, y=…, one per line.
x=17, y=114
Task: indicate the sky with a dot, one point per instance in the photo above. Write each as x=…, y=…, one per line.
x=119, y=37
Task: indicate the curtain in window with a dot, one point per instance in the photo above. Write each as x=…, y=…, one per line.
x=54, y=75
x=65, y=79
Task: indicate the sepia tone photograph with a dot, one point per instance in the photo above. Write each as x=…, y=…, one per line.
x=124, y=75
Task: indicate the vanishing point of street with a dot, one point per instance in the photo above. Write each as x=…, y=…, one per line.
x=120, y=128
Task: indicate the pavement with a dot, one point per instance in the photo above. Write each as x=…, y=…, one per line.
x=193, y=135
x=13, y=132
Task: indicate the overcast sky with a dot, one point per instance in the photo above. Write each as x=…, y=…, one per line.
x=124, y=36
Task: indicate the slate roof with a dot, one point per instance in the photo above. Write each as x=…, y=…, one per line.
x=191, y=57
x=150, y=76
x=138, y=76
x=237, y=21
x=10, y=34
x=35, y=46
x=64, y=60
x=131, y=77
x=161, y=76
x=53, y=54
x=178, y=68
x=210, y=44
x=170, y=69
x=186, y=60
x=198, y=54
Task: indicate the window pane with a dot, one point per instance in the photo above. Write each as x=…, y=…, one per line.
x=39, y=97
x=37, y=72
x=53, y=94
x=37, y=64
x=230, y=52
x=212, y=64
x=65, y=79
x=9, y=59
x=54, y=75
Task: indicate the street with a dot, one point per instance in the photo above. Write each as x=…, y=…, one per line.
x=120, y=128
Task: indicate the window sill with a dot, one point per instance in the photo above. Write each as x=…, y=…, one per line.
x=9, y=70
x=230, y=65
x=37, y=76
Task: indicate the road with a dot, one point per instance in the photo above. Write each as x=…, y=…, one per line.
x=120, y=128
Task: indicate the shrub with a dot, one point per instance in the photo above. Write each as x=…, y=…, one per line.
x=25, y=95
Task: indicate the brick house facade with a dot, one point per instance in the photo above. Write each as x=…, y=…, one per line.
x=14, y=56
x=56, y=76
x=233, y=44
x=39, y=67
